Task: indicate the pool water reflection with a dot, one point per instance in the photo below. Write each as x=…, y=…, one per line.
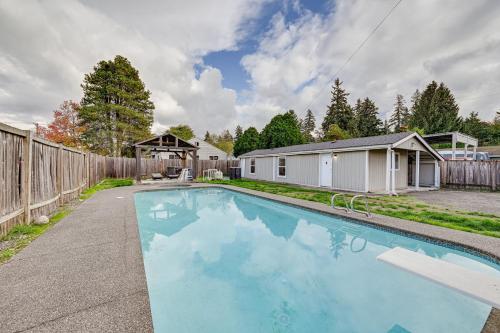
x=222, y=261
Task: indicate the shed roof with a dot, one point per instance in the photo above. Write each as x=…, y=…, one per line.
x=167, y=142
x=339, y=144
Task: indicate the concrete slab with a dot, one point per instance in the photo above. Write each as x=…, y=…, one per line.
x=483, y=287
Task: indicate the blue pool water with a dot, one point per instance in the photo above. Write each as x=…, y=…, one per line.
x=221, y=261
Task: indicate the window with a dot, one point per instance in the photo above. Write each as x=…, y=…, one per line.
x=396, y=161
x=213, y=158
x=197, y=144
x=252, y=165
x=171, y=157
x=281, y=167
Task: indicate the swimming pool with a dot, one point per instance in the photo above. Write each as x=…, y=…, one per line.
x=222, y=261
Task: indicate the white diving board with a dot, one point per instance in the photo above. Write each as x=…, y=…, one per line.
x=483, y=287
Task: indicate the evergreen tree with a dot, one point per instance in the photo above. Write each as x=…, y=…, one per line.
x=283, y=130
x=400, y=116
x=386, y=129
x=307, y=126
x=367, y=120
x=339, y=112
x=115, y=109
x=207, y=136
x=335, y=133
x=247, y=142
x=184, y=132
x=435, y=110
x=474, y=126
x=238, y=132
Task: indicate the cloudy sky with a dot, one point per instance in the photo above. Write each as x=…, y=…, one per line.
x=215, y=64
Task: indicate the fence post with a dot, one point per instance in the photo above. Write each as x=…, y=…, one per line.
x=493, y=170
x=27, y=149
x=60, y=174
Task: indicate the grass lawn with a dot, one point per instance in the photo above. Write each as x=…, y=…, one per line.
x=21, y=235
x=403, y=206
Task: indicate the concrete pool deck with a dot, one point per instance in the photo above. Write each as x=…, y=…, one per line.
x=87, y=274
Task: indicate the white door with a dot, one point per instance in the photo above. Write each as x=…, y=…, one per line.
x=325, y=170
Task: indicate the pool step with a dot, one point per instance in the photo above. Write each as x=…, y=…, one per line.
x=483, y=287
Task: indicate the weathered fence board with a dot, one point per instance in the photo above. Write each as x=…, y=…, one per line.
x=37, y=176
x=471, y=174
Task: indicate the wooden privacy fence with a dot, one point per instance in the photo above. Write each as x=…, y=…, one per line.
x=37, y=176
x=471, y=174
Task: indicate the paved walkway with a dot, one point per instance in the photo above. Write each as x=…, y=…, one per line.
x=486, y=202
x=84, y=275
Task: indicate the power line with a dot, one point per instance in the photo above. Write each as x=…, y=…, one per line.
x=360, y=46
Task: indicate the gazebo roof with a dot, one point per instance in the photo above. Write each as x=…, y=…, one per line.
x=166, y=142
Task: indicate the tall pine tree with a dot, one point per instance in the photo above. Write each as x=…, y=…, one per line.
x=307, y=126
x=339, y=111
x=237, y=133
x=435, y=110
x=400, y=115
x=367, y=120
x=115, y=109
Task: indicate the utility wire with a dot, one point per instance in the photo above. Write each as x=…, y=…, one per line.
x=374, y=30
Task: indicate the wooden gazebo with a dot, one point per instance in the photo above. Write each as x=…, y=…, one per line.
x=168, y=143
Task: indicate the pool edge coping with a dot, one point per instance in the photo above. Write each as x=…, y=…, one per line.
x=485, y=246
x=451, y=238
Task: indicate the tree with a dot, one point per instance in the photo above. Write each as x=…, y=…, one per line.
x=307, y=126
x=115, y=109
x=65, y=128
x=283, y=130
x=400, y=115
x=339, y=112
x=386, y=129
x=247, y=142
x=238, y=132
x=224, y=142
x=367, y=122
x=185, y=132
x=435, y=110
x=335, y=133
x=487, y=133
x=207, y=136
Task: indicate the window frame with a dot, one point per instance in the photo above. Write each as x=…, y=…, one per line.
x=252, y=165
x=397, y=161
x=281, y=167
x=213, y=157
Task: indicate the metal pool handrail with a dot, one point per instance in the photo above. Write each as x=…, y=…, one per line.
x=367, y=208
x=346, y=208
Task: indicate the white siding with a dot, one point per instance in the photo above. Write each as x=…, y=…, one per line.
x=349, y=171
x=300, y=169
x=412, y=144
x=402, y=173
x=263, y=168
x=204, y=152
x=377, y=162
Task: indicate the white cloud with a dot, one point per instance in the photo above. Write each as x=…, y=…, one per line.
x=47, y=47
x=421, y=41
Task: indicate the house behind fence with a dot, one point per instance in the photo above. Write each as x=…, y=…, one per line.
x=38, y=176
